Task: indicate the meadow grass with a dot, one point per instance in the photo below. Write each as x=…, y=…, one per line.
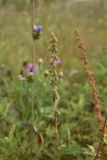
x=29, y=82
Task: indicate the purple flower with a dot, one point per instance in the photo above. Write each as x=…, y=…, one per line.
x=57, y=61
x=37, y=28
x=31, y=68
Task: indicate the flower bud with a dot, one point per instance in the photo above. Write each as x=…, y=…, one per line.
x=46, y=73
x=40, y=61
x=61, y=75
x=21, y=77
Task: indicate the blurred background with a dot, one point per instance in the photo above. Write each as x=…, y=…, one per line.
x=58, y=16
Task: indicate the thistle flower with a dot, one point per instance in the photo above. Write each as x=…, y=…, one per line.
x=31, y=68
x=36, y=32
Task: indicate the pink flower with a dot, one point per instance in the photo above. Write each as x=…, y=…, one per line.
x=32, y=68
x=57, y=61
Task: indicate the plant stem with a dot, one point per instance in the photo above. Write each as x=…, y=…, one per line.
x=32, y=13
x=57, y=136
x=32, y=59
x=101, y=140
x=33, y=53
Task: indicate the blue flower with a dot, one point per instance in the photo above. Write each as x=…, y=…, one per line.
x=37, y=28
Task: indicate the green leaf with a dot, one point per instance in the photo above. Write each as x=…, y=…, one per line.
x=105, y=139
x=72, y=150
x=92, y=149
x=11, y=132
